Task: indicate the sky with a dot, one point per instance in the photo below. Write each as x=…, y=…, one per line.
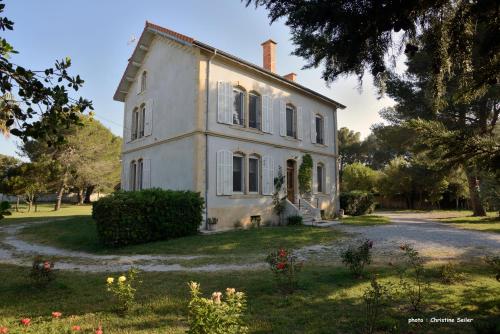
x=96, y=35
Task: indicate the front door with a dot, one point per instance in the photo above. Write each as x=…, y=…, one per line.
x=290, y=180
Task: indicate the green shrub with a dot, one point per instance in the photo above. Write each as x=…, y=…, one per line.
x=134, y=217
x=285, y=267
x=356, y=257
x=449, y=274
x=357, y=203
x=295, y=220
x=123, y=289
x=376, y=298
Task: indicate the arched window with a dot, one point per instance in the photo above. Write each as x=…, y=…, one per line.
x=254, y=110
x=253, y=174
x=320, y=177
x=291, y=121
x=144, y=80
x=238, y=173
x=142, y=118
x=238, y=106
x=140, y=169
x=320, y=129
x=135, y=123
x=133, y=176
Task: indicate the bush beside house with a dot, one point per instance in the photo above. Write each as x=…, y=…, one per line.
x=357, y=203
x=134, y=217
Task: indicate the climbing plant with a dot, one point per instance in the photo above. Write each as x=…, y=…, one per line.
x=305, y=175
x=278, y=201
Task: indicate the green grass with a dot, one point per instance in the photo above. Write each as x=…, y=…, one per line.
x=485, y=224
x=46, y=212
x=329, y=301
x=367, y=220
x=79, y=233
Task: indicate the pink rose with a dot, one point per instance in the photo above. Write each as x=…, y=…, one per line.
x=4, y=330
x=26, y=321
x=56, y=315
x=76, y=328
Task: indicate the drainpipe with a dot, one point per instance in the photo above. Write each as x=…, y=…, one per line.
x=206, y=137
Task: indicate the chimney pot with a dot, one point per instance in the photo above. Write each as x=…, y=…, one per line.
x=269, y=55
x=291, y=76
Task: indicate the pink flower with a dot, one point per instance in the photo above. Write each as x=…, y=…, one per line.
x=76, y=328
x=282, y=253
x=281, y=266
x=26, y=321
x=56, y=315
x=99, y=330
x=4, y=330
x=46, y=265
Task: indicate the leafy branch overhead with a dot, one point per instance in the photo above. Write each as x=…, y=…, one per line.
x=37, y=104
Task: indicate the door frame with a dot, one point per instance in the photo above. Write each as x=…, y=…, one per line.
x=291, y=192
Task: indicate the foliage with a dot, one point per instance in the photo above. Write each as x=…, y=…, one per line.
x=285, y=267
x=295, y=220
x=279, y=201
x=123, y=289
x=133, y=217
x=356, y=257
x=494, y=262
x=412, y=281
x=7, y=162
x=28, y=93
x=42, y=272
x=215, y=315
x=357, y=176
x=305, y=175
x=449, y=274
x=4, y=209
x=375, y=297
x=357, y=203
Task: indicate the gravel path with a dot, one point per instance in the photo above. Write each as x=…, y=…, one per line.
x=435, y=241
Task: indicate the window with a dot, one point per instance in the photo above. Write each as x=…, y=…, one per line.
x=135, y=122
x=238, y=106
x=140, y=169
x=144, y=81
x=254, y=104
x=237, y=174
x=133, y=176
x=320, y=177
x=319, y=130
x=142, y=118
x=253, y=174
x=290, y=121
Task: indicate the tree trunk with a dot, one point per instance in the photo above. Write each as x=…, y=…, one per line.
x=30, y=204
x=88, y=193
x=475, y=200
x=60, y=194
x=80, y=196
x=17, y=204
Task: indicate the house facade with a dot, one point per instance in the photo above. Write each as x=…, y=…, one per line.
x=197, y=118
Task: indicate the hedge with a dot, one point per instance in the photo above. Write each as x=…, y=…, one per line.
x=134, y=217
x=357, y=203
x=295, y=220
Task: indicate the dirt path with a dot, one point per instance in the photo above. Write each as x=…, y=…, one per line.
x=435, y=241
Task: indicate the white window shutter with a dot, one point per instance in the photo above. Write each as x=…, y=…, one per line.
x=224, y=172
x=138, y=83
x=315, y=178
x=146, y=173
x=326, y=132
x=313, y=128
x=327, y=173
x=267, y=175
x=220, y=172
x=300, y=127
x=282, y=109
x=148, y=118
x=221, y=110
x=128, y=125
x=271, y=175
x=229, y=104
x=125, y=176
x=267, y=114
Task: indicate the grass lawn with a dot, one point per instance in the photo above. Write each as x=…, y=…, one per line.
x=46, y=212
x=486, y=224
x=329, y=301
x=367, y=220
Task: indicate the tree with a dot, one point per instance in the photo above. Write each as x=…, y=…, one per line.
x=349, y=148
x=36, y=104
x=359, y=177
x=6, y=163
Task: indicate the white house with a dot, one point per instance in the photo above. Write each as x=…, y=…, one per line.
x=197, y=118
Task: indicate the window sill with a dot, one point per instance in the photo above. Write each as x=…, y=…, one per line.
x=246, y=196
x=319, y=145
x=138, y=140
x=292, y=139
x=246, y=129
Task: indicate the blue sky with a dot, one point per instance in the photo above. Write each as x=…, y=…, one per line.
x=94, y=33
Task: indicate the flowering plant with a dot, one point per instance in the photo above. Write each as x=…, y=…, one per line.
x=283, y=263
x=42, y=271
x=215, y=315
x=356, y=257
x=123, y=289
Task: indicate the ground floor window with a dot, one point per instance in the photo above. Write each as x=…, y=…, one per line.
x=238, y=174
x=320, y=177
x=253, y=174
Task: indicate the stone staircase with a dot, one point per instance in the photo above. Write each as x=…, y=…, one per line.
x=309, y=213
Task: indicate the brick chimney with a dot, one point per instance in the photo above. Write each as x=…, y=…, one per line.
x=269, y=55
x=291, y=76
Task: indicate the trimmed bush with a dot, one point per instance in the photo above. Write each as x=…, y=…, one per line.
x=135, y=217
x=295, y=220
x=357, y=203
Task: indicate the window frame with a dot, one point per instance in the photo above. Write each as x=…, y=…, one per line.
x=140, y=174
x=257, y=172
x=320, y=180
x=258, y=110
x=133, y=175
x=142, y=120
x=144, y=78
x=320, y=135
x=135, y=124
x=241, y=91
x=242, y=173
x=291, y=107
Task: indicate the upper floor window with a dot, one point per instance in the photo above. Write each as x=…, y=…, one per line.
x=320, y=175
x=253, y=174
x=290, y=121
x=142, y=118
x=238, y=106
x=238, y=173
x=135, y=123
x=254, y=110
x=144, y=80
x=319, y=129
